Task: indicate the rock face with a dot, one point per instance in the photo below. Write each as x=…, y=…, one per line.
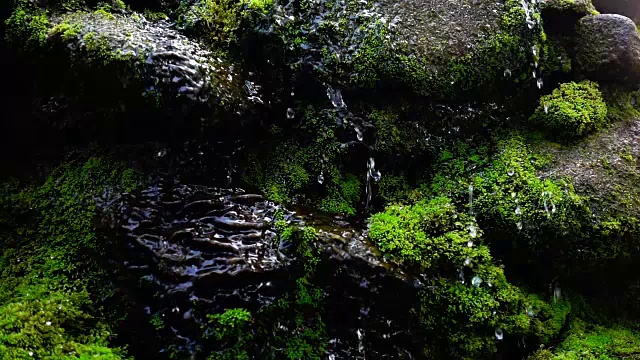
x=605, y=166
x=608, y=49
x=443, y=29
x=628, y=8
x=189, y=250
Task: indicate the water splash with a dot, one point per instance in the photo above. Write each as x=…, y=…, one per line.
x=499, y=334
x=540, y=83
x=507, y=73
x=473, y=231
x=290, y=113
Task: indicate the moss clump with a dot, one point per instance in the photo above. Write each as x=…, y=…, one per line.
x=572, y=110
x=594, y=342
x=213, y=21
x=49, y=272
x=343, y=196
x=577, y=7
x=468, y=296
x=232, y=327
x=27, y=26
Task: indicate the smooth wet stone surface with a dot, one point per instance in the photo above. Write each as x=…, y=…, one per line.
x=192, y=250
x=443, y=28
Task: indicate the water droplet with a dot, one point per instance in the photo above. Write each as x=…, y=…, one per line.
x=530, y=312
x=507, y=73
x=470, y=243
x=511, y=172
x=290, y=113
x=499, y=334
x=320, y=179
x=476, y=281
x=293, y=93
x=473, y=231
x=519, y=225
x=557, y=292
x=359, y=134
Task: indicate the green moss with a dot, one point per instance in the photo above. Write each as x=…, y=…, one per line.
x=232, y=327
x=48, y=267
x=578, y=8
x=468, y=296
x=590, y=342
x=572, y=110
x=66, y=30
x=343, y=196
x=155, y=15
x=213, y=21
x=27, y=26
x=478, y=73
x=622, y=104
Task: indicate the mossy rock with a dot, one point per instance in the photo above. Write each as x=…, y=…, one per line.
x=138, y=77
x=573, y=110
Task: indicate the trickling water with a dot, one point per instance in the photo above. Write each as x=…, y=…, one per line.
x=471, y=200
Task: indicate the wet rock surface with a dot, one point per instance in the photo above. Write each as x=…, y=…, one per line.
x=191, y=250
x=608, y=49
x=168, y=61
x=443, y=28
x=606, y=164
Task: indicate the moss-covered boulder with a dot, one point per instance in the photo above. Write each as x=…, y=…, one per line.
x=572, y=110
x=106, y=72
x=608, y=49
x=577, y=7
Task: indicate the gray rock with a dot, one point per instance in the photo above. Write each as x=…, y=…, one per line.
x=628, y=8
x=608, y=49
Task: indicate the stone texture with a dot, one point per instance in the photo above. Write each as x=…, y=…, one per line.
x=569, y=7
x=608, y=49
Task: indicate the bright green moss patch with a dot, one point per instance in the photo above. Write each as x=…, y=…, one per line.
x=48, y=264
x=572, y=110
x=587, y=341
x=27, y=26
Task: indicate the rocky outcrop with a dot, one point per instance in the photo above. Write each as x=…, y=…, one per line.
x=608, y=49
x=605, y=167
x=628, y=8
x=118, y=75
